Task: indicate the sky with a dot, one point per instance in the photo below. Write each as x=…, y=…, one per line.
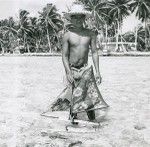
x=11, y=8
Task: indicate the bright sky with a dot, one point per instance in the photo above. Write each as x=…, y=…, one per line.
x=11, y=8
x=130, y=23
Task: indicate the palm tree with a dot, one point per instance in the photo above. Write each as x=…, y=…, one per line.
x=100, y=19
x=142, y=10
x=50, y=20
x=119, y=10
x=139, y=38
x=3, y=35
x=2, y=41
x=35, y=36
x=98, y=8
x=10, y=32
x=25, y=30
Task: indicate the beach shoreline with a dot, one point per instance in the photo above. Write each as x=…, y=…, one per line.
x=116, y=54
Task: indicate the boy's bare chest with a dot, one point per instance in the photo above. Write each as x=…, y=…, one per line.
x=77, y=39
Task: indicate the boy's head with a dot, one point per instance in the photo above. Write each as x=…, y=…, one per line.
x=77, y=15
x=77, y=19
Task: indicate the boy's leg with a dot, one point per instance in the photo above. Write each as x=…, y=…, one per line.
x=91, y=114
x=73, y=116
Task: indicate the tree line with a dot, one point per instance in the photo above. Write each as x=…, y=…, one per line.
x=31, y=34
x=44, y=33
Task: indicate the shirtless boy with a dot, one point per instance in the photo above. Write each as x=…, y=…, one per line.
x=76, y=45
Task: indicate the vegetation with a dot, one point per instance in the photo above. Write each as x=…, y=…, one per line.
x=31, y=34
x=44, y=33
x=142, y=9
x=111, y=13
x=131, y=37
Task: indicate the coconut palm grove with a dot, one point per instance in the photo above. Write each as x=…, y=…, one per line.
x=43, y=34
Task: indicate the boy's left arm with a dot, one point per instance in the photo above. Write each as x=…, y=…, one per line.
x=95, y=58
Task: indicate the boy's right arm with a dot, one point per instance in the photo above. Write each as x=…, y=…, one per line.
x=65, y=57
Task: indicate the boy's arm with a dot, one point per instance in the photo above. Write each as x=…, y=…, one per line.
x=65, y=57
x=95, y=58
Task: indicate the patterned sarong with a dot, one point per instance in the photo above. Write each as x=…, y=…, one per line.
x=82, y=95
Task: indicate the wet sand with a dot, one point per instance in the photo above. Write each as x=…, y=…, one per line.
x=28, y=85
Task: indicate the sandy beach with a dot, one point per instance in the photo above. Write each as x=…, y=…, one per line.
x=28, y=85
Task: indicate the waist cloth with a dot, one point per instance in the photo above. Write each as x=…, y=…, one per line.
x=82, y=95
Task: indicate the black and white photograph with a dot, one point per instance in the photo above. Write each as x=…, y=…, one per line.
x=74, y=73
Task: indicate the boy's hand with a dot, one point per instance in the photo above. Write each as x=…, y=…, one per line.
x=70, y=77
x=98, y=78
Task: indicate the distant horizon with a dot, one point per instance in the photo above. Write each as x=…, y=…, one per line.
x=33, y=7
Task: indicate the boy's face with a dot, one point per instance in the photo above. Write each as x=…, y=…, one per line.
x=78, y=19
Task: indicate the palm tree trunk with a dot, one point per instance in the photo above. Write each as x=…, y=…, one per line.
x=136, y=36
x=24, y=41
x=48, y=39
x=28, y=48
x=146, y=49
x=117, y=36
x=123, y=47
x=58, y=38
x=106, y=38
x=37, y=46
x=3, y=50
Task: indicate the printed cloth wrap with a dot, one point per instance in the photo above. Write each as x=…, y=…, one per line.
x=82, y=95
